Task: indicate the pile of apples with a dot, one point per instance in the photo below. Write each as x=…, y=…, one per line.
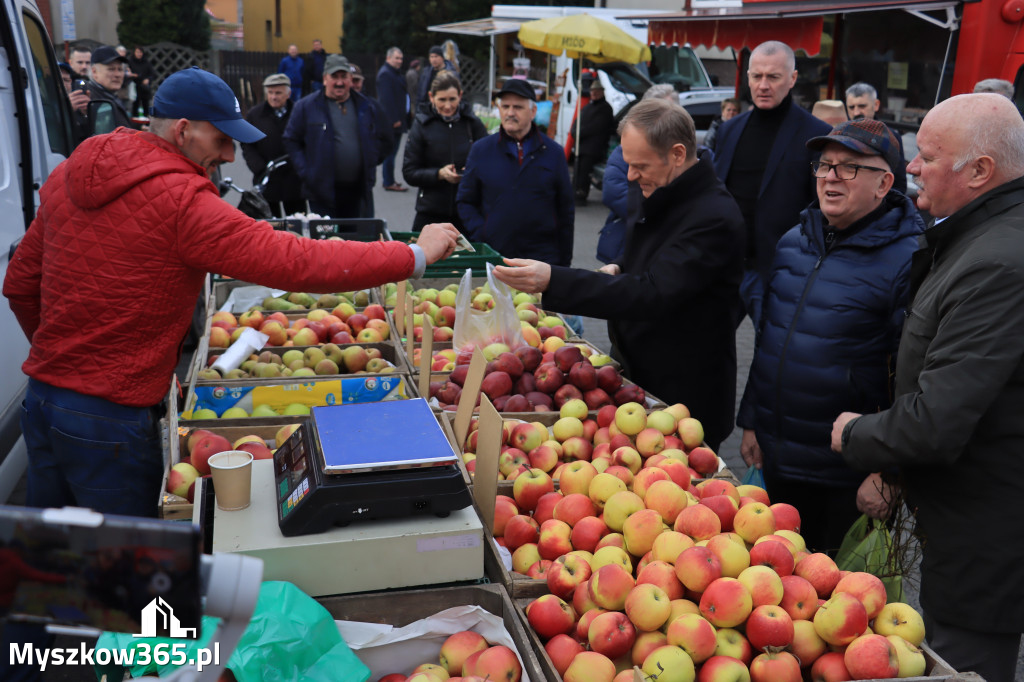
x=341, y=325
x=297, y=300
x=439, y=307
x=622, y=441
x=261, y=410
x=528, y=379
x=466, y=657
x=703, y=581
x=201, y=444
x=326, y=360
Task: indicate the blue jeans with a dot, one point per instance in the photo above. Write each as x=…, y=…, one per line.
x=387, y=169
x=89, y=452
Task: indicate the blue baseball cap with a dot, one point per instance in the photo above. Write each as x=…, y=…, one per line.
x=201, y=96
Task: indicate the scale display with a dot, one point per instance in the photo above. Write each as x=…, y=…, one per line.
x=366, y=461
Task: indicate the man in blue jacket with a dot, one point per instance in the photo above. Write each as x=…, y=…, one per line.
x=335, y=139
x=516, y=194
x=761, y=157
x=292, y=66
x=831, y=322
x=393, y=98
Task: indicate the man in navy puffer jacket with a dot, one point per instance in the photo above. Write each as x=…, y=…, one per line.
x=830, y=329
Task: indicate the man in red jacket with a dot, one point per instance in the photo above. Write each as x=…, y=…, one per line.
x=105, y=279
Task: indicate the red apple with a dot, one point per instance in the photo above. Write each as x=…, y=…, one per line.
x=611, y=634
x=549, y=616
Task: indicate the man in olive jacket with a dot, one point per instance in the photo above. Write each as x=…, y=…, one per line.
x=671, y=299
x=955, y=427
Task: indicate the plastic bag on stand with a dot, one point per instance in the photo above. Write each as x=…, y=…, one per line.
x=484, y=322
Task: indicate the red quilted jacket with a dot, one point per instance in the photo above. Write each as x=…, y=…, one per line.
x=106, y=278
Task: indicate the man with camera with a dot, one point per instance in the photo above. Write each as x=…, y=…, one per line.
x=108, y=73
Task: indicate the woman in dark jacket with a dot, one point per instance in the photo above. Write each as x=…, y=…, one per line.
x=436, y=151
x=144, y=76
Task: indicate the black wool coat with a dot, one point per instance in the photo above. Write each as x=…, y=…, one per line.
x=672, y=312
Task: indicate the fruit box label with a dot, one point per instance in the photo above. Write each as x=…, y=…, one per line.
x=369, y=389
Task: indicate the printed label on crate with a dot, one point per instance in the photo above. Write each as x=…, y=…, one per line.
x=368, y=389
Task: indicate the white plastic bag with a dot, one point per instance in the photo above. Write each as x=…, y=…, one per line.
x=492, y=321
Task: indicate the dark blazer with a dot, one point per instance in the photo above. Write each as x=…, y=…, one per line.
x=671, y=313
x=309, y=139
x=787, y=186
x=284, y=183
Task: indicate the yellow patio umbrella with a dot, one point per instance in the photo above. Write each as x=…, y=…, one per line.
x=583, y=35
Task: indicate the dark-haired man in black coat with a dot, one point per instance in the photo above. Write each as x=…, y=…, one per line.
x=672, y=298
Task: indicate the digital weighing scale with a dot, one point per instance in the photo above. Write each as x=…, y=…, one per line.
x=366, y=461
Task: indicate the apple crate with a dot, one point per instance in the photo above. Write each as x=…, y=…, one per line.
x=401, y=607
x=280, y=393
x=175, y=507
x=936, y=669
x=222, y=289
x=388, y=351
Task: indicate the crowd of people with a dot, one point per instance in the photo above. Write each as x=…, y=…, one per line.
x=888, y=362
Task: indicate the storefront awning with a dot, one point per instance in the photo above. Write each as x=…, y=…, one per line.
x=479, y=27
x=798, y=24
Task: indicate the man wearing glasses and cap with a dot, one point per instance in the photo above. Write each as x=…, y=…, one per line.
x=833, y=312
x=105, y=280
x=336, y=138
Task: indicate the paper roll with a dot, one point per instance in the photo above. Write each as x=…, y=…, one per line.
x=249, y=341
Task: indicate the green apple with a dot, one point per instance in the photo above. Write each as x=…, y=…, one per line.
x=204, y=413
x=263, y=410
x=295, y=409
x=235, y=413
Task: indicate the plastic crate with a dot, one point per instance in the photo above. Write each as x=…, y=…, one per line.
x=357, y=229
x=458, y=262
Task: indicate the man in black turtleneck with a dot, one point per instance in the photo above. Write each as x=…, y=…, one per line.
x=761, y=158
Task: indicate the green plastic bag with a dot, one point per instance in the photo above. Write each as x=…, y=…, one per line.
x=754, y=476
x=868, y=547
x=290, y=637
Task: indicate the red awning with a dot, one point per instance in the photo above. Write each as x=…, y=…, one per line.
x=797, y=23
x=800, y=33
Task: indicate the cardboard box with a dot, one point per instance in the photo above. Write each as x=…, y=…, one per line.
x=363, y=556
x=400, y=608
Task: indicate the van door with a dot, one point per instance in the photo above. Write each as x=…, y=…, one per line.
x=35, y=135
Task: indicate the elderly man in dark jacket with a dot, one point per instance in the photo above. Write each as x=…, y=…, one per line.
x=671, y=299
x=954, y=428
x=393, y=99
x=516, y=194
x=335, y=139
x=831, y=322
x=283, y=188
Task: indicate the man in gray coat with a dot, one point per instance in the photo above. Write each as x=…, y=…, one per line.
x=954, y=429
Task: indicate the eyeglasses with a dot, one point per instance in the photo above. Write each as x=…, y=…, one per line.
x=844, y=171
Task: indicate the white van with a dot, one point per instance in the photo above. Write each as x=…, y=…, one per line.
x=35, y=136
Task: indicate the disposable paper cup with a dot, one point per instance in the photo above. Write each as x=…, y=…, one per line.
x=232, y=479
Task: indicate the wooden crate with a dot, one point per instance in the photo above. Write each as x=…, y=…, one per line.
x=402, y=607
x=388, y=351
x=221, y=291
